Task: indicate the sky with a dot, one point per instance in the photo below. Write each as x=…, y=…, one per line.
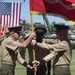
x=25, y=14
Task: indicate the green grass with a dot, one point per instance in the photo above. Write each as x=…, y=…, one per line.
x=20, y=70
x=72, y=66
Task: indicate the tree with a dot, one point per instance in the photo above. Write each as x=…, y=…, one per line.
x=26, y=25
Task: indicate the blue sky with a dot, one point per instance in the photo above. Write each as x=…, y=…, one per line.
x=25, y=14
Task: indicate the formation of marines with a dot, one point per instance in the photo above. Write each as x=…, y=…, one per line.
x=45, y=50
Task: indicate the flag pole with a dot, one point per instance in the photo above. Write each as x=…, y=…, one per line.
x=32, y=28
x=47, y=22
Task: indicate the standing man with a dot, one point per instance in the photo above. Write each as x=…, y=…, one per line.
x=61, y=51
x=10, y=51
x=39, y=52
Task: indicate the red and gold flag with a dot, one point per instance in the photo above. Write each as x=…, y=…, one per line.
x=62, y=8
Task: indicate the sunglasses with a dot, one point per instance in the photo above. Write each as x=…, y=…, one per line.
x=18, y=33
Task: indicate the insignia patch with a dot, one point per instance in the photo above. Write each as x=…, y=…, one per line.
x=69, y=6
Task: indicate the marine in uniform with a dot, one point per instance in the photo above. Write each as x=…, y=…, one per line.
x=40, y=31
x=10, y=51
x=61, y=51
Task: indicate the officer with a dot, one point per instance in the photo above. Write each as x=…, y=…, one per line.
x=61, y=51
x=40, y=31
x=10, y=51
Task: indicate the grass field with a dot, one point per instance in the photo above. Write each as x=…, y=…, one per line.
x=20, y=70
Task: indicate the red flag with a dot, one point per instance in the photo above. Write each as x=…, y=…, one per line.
x=62, y=8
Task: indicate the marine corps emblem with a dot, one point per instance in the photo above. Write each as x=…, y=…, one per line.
x=69, y=6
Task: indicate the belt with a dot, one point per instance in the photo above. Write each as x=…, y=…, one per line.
x=62, y=65
x=8, y=63
x=3, y=65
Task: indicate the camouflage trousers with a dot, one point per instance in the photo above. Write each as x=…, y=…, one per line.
x=61, y=70
x=6, y=69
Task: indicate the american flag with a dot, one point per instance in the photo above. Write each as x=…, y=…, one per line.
x=5, y=8
x=11, y=17
x=12, y=1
